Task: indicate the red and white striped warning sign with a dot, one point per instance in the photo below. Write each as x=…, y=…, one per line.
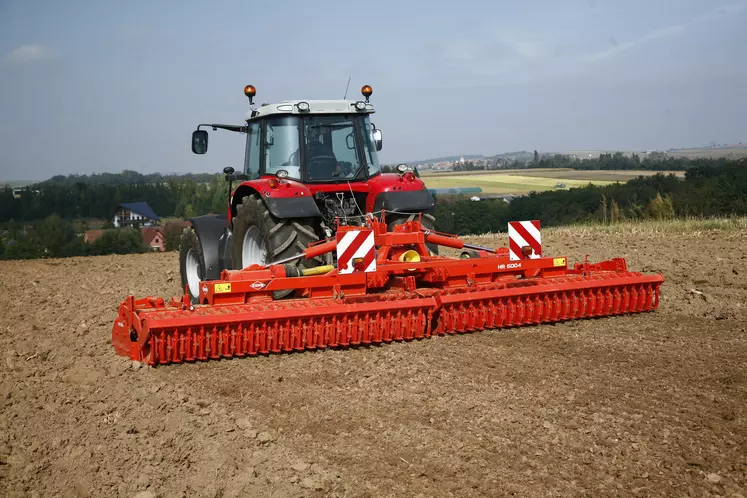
x=352, y=245
x=522, y=234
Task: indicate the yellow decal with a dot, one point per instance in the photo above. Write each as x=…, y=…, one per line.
x=555, y=262
x=221, y=288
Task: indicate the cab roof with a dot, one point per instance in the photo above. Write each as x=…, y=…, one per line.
x=315, y=107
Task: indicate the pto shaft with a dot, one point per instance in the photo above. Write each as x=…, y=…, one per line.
x=453, y=242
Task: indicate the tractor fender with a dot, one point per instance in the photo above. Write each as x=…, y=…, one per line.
x=214, y=233
x=393, y=192
x=291, y=199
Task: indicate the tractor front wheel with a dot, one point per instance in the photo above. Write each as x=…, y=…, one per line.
x=260, y=238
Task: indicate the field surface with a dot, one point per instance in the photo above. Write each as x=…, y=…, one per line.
x=643, y=405
x=527, y=180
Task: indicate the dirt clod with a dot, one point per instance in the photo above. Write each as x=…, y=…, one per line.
x=244, y=424
x=311, y=483
x=714, y=478
x=264, y=437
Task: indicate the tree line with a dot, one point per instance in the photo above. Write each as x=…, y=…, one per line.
x=711, y=187
x=56, y=237
x=655, y=161
x=718, y=189
x=88, y=197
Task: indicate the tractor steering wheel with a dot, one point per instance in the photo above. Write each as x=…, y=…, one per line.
x=321, y=165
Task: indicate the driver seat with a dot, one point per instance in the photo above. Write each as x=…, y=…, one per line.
x=321, y=161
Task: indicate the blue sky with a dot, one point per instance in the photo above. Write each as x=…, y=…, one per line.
x=93, y=86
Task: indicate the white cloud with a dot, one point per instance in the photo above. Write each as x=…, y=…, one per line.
x=665, y=32
x=30, y=53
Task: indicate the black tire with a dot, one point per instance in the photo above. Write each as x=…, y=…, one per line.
x=282, y=237
x=189, y=247
x=428, y=222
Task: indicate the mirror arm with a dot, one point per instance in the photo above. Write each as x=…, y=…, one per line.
x=236, y=128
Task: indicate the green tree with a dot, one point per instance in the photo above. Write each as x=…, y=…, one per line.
x=54, y=235
x=119, y=241
x=172, y=236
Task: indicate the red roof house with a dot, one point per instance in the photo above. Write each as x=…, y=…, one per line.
x=153, y=238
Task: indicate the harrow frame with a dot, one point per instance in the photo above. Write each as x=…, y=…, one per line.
x=411, y=294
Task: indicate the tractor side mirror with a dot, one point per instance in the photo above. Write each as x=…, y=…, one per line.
x=199, y=141
x=377, y=138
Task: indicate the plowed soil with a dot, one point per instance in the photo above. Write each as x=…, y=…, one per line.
x=643, y=405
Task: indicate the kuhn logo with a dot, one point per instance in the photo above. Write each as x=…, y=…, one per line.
x=258, y=285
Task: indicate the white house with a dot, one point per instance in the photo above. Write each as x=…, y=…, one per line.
x=135, y=212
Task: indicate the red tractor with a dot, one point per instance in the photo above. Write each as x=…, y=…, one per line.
x=308, y=165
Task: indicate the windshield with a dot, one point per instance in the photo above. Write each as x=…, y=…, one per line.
x=331, y=148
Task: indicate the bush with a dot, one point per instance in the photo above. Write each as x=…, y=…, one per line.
x=118, y=241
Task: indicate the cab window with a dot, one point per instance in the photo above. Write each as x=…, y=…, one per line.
x=281, y=146
x=369, y=148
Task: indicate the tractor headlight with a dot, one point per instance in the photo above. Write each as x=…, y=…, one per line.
x=303, y=106
x=361, y=106
x=402, y=168
x=281, y=173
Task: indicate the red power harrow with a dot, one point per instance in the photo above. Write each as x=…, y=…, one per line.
x=386, y=287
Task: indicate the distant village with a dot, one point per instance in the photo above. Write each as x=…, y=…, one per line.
x=141, y=215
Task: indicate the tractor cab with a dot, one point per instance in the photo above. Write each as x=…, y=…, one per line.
x=310, y=141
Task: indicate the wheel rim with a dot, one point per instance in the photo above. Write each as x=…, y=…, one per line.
x=253, y=250
x=192, y=268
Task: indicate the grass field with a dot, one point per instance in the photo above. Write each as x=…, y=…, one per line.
x=524, y=181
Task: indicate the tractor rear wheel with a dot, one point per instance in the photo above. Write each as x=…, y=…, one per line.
x=191, y=263
x=260, y=238
x=428, y=222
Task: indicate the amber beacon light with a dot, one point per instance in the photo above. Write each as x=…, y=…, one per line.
x=366, y=91
x=250, y=92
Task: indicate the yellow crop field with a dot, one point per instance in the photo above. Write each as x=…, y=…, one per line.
x=506, y=184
